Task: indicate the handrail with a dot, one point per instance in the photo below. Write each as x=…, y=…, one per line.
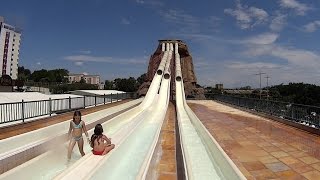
x=23, y=110
x=299, y=114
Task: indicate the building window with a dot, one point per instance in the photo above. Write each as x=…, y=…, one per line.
x=12, y=50
x=14, y=40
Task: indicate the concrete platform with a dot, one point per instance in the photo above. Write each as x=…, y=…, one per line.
x=261, y=148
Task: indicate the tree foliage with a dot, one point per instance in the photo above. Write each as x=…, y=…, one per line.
x=299, y=93
x=122, y=84
x=23, y=74
x=64, y=88
x=55, y=75
x=43, y=75
x=125, y=84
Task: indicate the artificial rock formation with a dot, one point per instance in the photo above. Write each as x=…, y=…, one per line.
x=189, y=78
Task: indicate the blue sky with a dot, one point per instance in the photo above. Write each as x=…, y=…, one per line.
x=229, y=40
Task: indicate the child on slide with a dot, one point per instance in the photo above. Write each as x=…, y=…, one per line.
x=77, y=127
x=100, y=143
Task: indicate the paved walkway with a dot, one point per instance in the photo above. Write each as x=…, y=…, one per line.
x=261, y=148
x=6, y=132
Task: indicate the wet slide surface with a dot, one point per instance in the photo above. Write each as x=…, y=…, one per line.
x=135, y=141
x=23, y=140
x=6, y=132
x=196, y=158
x=261, y=148
x=51, y=163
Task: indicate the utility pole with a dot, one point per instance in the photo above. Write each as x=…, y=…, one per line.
x=260, y=73
x=267, y=77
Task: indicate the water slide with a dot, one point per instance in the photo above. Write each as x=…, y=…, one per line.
x=53, y=163
x=135, y=134
x=16, y=144
x=29, y=141
x=135, y=143
x=202, y=155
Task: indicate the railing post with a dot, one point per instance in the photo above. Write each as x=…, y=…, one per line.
x=50, y=109
x=84, y=102
x=117, y=97
x=104, y=98
x=22, y=109
x=111, y=97
x=69, y=103
x=95, y=100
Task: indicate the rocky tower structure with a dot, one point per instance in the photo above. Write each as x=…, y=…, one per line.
x=189, y=78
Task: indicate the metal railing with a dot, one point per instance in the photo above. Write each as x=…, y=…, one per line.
x=297, y=113
x=20, y=111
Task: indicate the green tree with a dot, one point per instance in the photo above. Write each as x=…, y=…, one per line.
x=82, y=81
x=36, y=76
x=127, y=85
x=23, y=74
x=299, y=93
x=141, y=78
x=108, y=85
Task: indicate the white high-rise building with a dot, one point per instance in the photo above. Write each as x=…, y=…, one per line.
x=9, y=49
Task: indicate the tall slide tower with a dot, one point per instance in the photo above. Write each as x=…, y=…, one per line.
x=189, y=77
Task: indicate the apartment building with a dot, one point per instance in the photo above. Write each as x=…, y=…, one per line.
x=89, y=79
x=10, y=37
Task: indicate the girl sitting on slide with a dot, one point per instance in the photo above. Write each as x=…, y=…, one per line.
x=100, y=143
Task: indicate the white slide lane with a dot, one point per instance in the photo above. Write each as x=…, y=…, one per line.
x=134, y=144
x=203, y=157
x=54, y=162
x=15, y=144
x=136, y=151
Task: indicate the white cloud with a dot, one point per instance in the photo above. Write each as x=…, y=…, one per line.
x=297, y=57
x=85, y=52
x=181, y=18
x=125, y=21
x=278, y=22
x=247, y=17
x=140, y=1
x=298, y=7
x=262, y=39
x=188, y=23
x=105, y=59
x=238, y=73
x=254, y=65
x=151, y=3
x=39, y=63
x=312, y=26
x=79, y=63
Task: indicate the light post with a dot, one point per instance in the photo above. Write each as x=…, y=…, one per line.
x=267, y=77
x=260, y=73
